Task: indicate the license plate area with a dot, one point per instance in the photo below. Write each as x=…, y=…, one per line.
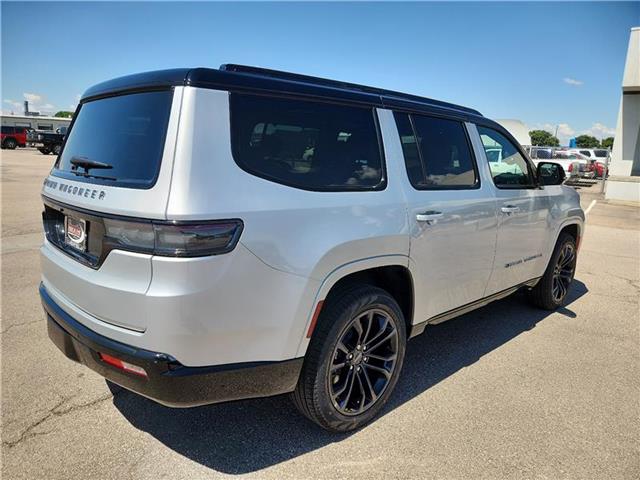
x=75, y=233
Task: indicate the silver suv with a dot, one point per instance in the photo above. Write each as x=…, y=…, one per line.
x=214, y=235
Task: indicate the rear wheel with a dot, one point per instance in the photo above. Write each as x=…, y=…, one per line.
x=44, y=151
x=552, y=289
x=10, y=143
x=57, y=149
x=354, y=359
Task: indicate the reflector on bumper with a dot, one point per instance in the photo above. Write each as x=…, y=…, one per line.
x=122, y=365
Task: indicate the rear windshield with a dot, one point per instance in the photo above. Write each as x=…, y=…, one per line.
x=125, y=133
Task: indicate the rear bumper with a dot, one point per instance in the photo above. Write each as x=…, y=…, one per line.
x=167, y=382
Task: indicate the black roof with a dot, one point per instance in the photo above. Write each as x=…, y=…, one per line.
x=246, y=78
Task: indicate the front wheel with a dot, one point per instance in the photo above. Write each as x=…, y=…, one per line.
x=552, y=289
x=354, y=359
x=10, y=143
x=57, y=149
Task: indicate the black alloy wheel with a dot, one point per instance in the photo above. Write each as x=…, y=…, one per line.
x=363, y=362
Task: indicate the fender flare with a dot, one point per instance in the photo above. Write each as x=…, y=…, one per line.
x=338, y=274
x=576, y=217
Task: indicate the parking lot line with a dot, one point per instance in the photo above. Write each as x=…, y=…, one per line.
x=593, y=202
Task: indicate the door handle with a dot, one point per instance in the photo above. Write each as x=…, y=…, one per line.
x=430, y=216
x=509, y=209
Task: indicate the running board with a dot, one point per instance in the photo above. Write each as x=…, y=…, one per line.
x=418, y=328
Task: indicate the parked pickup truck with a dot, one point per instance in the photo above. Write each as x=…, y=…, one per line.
x=48, y=142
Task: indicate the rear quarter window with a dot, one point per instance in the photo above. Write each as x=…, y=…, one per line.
x=308, y=145
x=126, y=132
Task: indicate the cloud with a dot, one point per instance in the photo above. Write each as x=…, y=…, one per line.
x=32, y=97
x=565, y=131
x=572, y=81
x=600, y=131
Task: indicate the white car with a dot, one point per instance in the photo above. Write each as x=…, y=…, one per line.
x=568, y=160
x=593, y=154
x=245, y=232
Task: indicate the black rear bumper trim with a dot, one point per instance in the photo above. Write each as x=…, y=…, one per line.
x=168, y=382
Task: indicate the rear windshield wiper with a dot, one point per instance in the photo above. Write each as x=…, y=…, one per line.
x=87, y=164
x=88, y=175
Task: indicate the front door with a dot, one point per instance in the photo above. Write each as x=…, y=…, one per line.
x=452, y=215
x=523, y=214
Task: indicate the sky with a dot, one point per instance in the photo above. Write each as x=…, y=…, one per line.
x=551, y=65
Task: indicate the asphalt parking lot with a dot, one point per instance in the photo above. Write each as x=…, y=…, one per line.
x=506, y=391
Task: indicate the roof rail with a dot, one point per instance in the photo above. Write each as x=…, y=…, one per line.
x=297, y=77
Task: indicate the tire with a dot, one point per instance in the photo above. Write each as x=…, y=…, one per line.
x=354, y=359
x=10, y=143
x=44, y=151
x=56, y=149
x=551, y=291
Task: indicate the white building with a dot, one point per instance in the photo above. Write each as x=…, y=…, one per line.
x=624, y=171
x=518, y=129
x=34, y=121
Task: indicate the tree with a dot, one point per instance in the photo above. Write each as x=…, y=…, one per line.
x=587, y=141
x=542, y=138
x=64, y=114
x=607, y=142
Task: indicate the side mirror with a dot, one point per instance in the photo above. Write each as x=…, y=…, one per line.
x=550, y=173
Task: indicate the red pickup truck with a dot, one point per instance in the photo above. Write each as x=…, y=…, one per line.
x=13, y=137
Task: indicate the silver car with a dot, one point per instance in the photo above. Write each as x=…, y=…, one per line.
x=214, y=235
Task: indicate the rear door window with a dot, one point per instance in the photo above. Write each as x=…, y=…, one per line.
x=308, y=145
x=437, y=153
x=126, y=133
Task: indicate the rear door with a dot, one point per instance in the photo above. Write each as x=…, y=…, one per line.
x=451, y=213
x=523, y=214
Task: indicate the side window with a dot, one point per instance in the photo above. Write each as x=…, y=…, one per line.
x=437, y=154
x=309, y=145
x=8, y=130
x=509, y=168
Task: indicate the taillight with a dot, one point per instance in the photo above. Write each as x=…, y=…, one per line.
x=176, y=239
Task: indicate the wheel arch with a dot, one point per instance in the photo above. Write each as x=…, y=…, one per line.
x=389, y=272
x=573, y=225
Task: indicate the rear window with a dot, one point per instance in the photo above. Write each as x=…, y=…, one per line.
x=308, y=145
x=126, y=132
x=602, y=153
